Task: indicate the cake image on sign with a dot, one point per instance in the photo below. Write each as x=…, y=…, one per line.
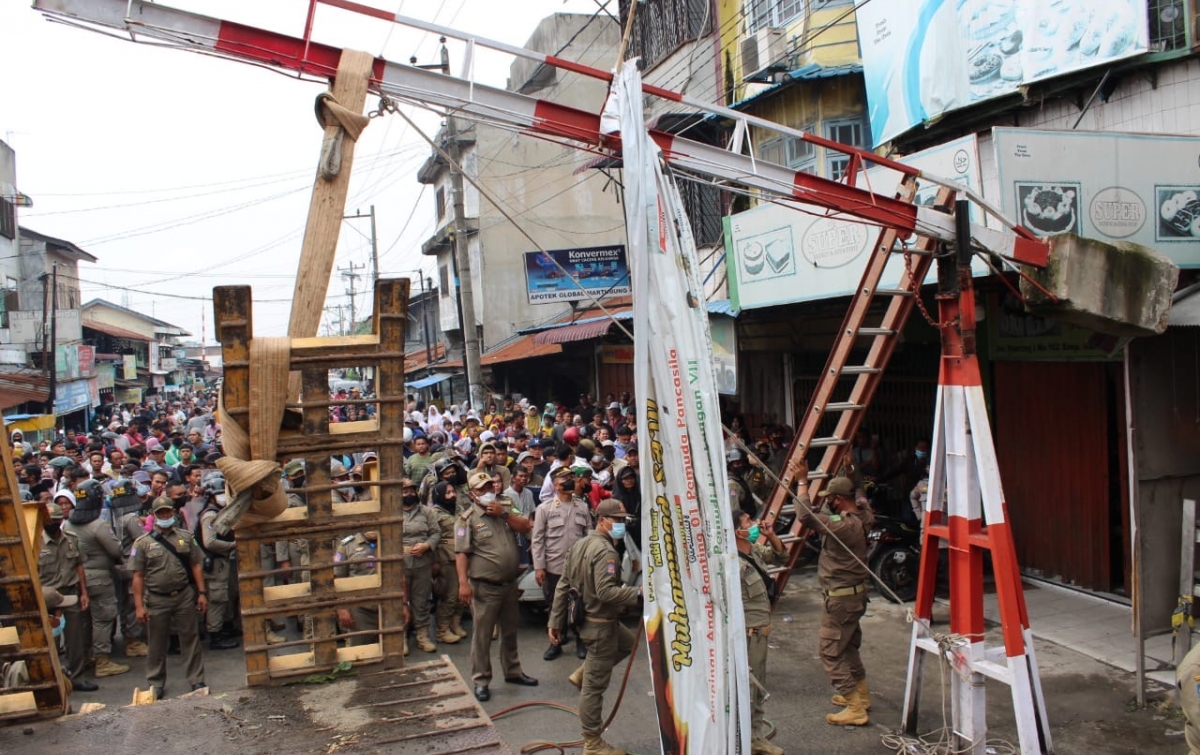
x=1049, y=208
x=833, y=243
x=1178, y=213
x=767, y=255
x=1117, y=212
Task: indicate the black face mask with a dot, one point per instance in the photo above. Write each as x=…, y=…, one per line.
x=298, y=482
x=409, y=501
x=180, y=501
x=53, y=529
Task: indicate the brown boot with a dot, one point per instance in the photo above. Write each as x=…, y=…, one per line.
x=274, y=638
x=446, y=634
x=136, y=649
x=456, y=626
x=597, y=746
x=576, y=678
x=862, y=691
x=423, y=641
x=106, y=667
x=760, y=746
x=854, y=714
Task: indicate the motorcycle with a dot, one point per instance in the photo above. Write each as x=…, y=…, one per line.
x=894, y=555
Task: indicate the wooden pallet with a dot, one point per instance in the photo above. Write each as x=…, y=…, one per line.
x=25, y=634
x=307, y=434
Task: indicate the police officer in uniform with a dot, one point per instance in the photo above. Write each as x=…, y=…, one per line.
x=169, y=593
x=559, y=523
x=753, y=560
x=593, y=569
x=60, y=567
x=127, y=512
x=844, y=576
x=217, y=550
x=488, y=562
x=101, y=552
x=443, y=504
x=421, y=538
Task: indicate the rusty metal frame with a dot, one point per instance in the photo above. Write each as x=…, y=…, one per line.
x=320, y=521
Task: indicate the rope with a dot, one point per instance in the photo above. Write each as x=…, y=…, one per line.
x=330, y=113
x=251, y=473
x=538, y=746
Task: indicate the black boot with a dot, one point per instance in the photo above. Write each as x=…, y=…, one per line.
x=552, y=652
x=222, y=642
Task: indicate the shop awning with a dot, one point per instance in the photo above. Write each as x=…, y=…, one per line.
x=433, y=379
x=525, y=347
x=580, y=331
x=16, y=388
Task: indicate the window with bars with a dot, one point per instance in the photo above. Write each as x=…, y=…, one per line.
x=762, y=14
x=444, y=280
x=848, y=132
x=702, y=201
x=8, y=219
x=440, y=200
x=662, y=26
x=1169, y=24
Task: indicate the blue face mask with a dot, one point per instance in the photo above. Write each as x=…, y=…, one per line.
x=753, y=532
x=618, y=531
x=922, y=454
x=58, y=628
x=165, y=523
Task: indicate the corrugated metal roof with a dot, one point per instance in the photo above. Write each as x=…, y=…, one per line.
x=806, y=73
x=579, y=331
x=522, y=348
x=116, y=332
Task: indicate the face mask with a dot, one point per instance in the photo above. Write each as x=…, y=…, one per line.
x=618, y=531
x=409, y=501
x=922, y=454
x=58, y=628
x=752, y=533
x=164, y=523
x=180, y=500
x=220, y=499
x=53, y=529
x=143, y=490
x=487, y=499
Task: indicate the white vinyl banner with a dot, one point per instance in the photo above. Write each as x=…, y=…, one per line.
x=693, y=605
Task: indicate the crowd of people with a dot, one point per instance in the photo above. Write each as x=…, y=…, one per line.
x=130, y=556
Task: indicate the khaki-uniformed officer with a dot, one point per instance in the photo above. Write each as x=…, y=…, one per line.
x=558, y=524
x=126, y=518
x=443, y=504
x=60, y=567
x=488, y=562
x=490, y=462
x=355, y=557
x=101, y=552
x=217, y=550
x=1188, y=678
x=753, y=560
x=421, y=537
x=844, y=576
x=593, y=568
x=166, y=598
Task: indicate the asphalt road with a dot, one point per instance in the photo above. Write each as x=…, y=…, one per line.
x=1089, y=703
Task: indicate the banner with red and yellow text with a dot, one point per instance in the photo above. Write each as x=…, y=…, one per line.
x=693, y=607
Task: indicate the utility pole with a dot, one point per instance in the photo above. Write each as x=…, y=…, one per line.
x=349, y=272
x=51, y=361
x=462, y=261
x=374, y=240
x=425, y=315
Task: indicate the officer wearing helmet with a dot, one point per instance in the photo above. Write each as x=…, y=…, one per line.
x=422, y=535
x=450, y=471
x=101, y=552
x=339, y=475
x=218, y=549
x=740, y=494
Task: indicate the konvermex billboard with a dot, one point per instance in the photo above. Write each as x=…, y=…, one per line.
x=577, y=274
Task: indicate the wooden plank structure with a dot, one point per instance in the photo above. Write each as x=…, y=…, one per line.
x=307, y=434
x=25, y=633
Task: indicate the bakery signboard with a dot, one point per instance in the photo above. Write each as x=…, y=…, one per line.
x=924, y=58
x=782, y=255
x=1106, y=186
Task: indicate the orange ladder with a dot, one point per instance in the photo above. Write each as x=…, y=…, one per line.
x=863, y=379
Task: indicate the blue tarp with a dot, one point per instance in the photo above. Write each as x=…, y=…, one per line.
x=433, y=379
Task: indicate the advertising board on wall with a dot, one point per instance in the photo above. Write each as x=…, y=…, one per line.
x=924, y=58
x=597, y=270
x=777, y=255
x=75, y=395
x=1107, y=186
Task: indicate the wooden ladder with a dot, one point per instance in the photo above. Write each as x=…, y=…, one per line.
x=863, y=379
x=319, y=521
x=25, y=633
